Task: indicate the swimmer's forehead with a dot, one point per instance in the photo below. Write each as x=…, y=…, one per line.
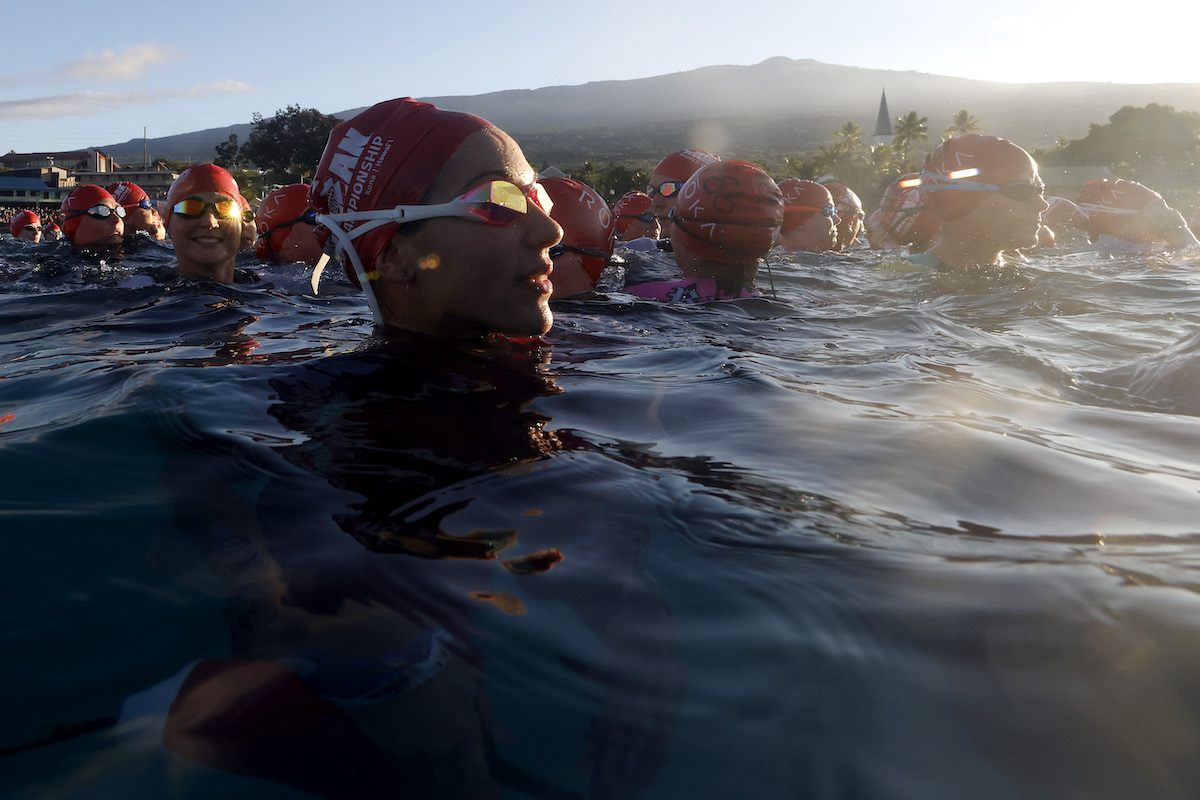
x=489, y=154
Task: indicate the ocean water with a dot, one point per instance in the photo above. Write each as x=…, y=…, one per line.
x=884, y=533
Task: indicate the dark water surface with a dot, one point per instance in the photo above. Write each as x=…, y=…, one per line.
x=893, y=534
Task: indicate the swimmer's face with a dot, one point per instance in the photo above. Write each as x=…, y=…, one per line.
x=850, y=224
x=457, y=277
x=104, y=232
x=141, y=219
x=1004, y=222
x=249, y=236
x=816, y=234
x=206, y=246
x=638, y=230
x=660, y=206
x=31, y=233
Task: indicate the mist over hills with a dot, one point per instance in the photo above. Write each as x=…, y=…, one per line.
x=780, y=105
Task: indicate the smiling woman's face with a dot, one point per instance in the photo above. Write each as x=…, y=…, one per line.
x=206, y=246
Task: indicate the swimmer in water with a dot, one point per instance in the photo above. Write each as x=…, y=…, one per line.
x=901, y=219
x=989, y=197
x=287, y=227
x=809, y=219
x=140, y=214
x=728, y=216
x=92, y=219
x=52, y=232
x=475, y=258
x=668, y=178
x=26, y=225
x=588, y=237
x=634, y=219
x=1118, y=214
x=204, y=221
x=849, y=210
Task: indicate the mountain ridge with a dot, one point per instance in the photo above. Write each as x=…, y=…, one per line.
x=778, y=105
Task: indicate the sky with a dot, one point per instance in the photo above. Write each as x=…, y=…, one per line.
x=90, y=76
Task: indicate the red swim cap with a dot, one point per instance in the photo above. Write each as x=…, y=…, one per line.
x=81, y=198
x=389, y=155
x=975, y=158
x=631, y=204
x=798, y=192
x=903, y=216
x=198, y=179
x=585, y=220
x=127, y=194
x=1100, y=202
x=21, y=219
x=730, y=211
x=281, y=206
x=682, y=164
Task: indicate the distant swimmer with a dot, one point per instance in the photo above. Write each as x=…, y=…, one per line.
x=589, y=235
x=902, y=220
x=287, y=227
x=727, y=218
x=140, y=214
x=52, y=232
x=849, y=210
x=439, y=218
x=989, y=197
x=204, y=221
x=249, y=234
x=668, y=178
x=26, y=225
x=634, y=218
x=92, y=219
x=1123, y=216
x=809, y=219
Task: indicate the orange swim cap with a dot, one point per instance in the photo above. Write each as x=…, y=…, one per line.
x=802, y=199
x=20, y=220
x=198, y=179
x=902, y=214
x=682, y=164
x=956, y=164
x=730, y=211
x=127, y=194
x=275, y=216
x=631, y=204
x=1101, y=202
x=585, y=220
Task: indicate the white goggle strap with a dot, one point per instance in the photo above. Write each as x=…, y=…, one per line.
x=345, y=244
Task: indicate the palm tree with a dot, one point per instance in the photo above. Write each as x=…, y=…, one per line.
x=849, y=138
x=963, y=124
x=909, y=128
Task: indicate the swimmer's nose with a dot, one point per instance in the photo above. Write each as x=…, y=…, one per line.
x=545, y=232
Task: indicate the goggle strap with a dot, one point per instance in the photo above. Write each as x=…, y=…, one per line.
x=345, y=244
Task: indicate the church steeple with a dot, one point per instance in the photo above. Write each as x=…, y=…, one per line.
x=883, y=125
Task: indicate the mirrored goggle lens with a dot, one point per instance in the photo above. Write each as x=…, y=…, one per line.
x=666, y=188
x=503, y=203
x=194, y=207
x=100, y=211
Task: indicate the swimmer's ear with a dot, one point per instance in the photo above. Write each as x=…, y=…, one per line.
x=398, y=261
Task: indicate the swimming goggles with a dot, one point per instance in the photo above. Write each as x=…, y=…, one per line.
x=666, y=188
x=98, y=211
x=826, y=209
x=558, y=249
x=496, y=202
x=194, y=207
x=645, y=217
x=309, y=217
x=33, y=227
x=1014, y=190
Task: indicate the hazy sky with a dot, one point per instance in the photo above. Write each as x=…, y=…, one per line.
x=80, y=74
